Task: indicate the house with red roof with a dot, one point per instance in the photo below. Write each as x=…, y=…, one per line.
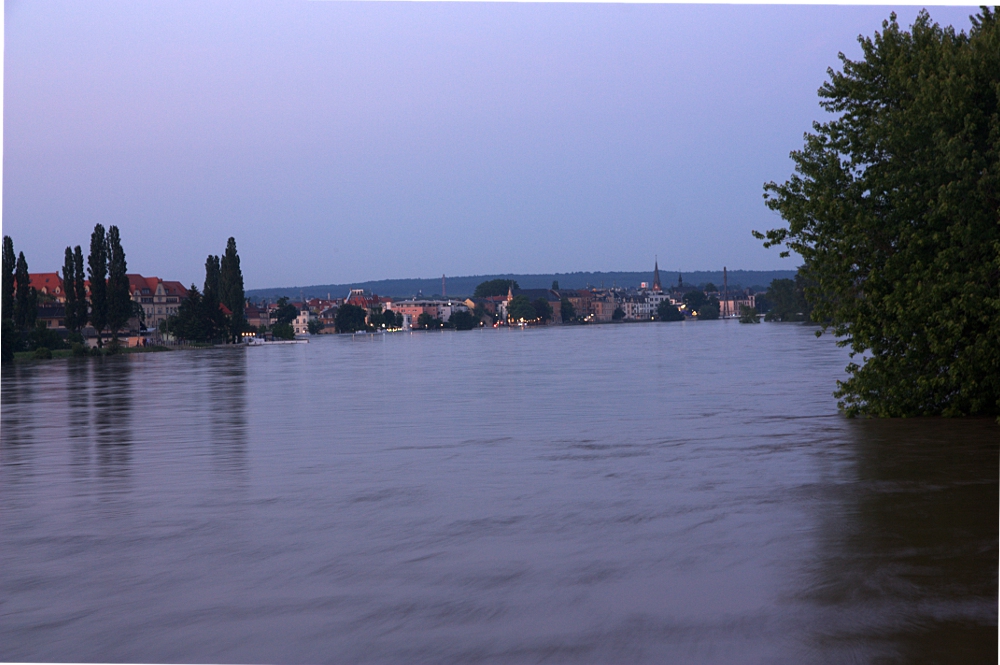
x=48, y=284
x=158, y=298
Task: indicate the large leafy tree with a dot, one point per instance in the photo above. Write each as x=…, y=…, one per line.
x=97, y=269
x=566, y=310
x=667, y=312
x=787, y=300
x=286, y=311
x=894, y=207
x=543, y=310
x=9, y=266
x=350, y=318
x=119, y=300
x=231, y=289
x=520, y=309
x=189, y=322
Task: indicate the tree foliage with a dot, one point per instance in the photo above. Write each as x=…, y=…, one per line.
x=231, y=292
x=69, y=288
x=119, y=299
x=894, y=207
x=710, y=310
x=495, y=287
x=9, y=266
x=283, y=331
x=748, y=314
x=80, y=285
x=26, y=302
x=566, y=310
x=520, y=309
x=668, y=312
x=786, y=300
x=543, y=310
x=694, y=299
x=350, y=318
x=286, y=312
x=387, y=318
x=97, y=268
x=463, y=320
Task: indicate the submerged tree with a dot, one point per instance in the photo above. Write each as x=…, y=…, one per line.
x=894, y=206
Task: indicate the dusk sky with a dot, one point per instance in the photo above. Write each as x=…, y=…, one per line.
x=342, y=142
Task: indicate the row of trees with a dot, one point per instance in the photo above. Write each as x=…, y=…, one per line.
x=218, y=311
x=20, y=300
x=110, y=306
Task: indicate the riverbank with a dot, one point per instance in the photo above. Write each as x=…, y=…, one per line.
x=29, y=356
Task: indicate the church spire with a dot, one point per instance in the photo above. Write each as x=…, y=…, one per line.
x=656, y=276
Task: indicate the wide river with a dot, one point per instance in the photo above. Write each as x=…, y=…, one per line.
x=662, y=493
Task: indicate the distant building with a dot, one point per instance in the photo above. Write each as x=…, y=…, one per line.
x=159, y=299
x=301, y=322
x=635, y=307
x=48, y=284
x=436, y=309
x=53, y=315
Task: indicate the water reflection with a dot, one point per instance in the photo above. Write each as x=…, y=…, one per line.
x=17, y=417
x=907, y=561
x=226, y=374
x=112, y=397
x=78, y=415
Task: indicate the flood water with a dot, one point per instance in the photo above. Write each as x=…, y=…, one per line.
x=662, y=493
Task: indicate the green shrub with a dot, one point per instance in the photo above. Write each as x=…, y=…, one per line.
x=43, y=353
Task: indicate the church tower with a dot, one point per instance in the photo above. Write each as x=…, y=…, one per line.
x=657, y=288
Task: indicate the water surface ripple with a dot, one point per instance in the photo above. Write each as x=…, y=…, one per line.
x=635, y=493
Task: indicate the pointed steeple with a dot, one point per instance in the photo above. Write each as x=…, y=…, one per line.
x=656, y=276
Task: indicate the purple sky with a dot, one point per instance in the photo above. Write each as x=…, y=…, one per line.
x=344, y=142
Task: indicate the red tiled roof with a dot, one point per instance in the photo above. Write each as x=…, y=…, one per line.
x=46, y=282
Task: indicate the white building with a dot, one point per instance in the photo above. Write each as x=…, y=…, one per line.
x=301, y=322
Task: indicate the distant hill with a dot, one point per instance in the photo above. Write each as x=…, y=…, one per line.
x=465, y=286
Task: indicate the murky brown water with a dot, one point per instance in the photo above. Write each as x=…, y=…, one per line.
x=657, y=493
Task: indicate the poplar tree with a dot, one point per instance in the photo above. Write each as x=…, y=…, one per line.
x=9, y=265
x=97, y=268
x=26, y=304
x=118, y=297
x=80, y=285
x=231, y=289
x=69, y=289
x=894, y=207
x=214, y=324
